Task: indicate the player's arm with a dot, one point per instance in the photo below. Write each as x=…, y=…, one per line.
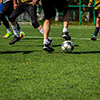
x=14, y=4
x=90, y=2
x=1, y=1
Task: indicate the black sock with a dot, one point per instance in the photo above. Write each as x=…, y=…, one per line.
x=96, y=31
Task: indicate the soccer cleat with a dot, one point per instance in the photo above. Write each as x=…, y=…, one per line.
x=7, y=35
x=66, y=36
x=15, y=39
x=47, y=47
x=50, y=41
x=22, y=34
x=94, y=38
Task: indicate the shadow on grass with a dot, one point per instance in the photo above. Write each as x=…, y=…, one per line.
x=60, y=45
x=86, y=52
x=12, y=52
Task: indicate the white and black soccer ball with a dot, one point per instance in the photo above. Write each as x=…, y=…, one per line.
x=67, y=46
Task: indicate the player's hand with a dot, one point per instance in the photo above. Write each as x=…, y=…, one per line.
x=89, y=5
x=35, y=2
x=15, y=6
x=18, y=1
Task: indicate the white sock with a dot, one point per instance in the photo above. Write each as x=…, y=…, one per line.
x=49, y=38
x=41, y=31
x=65, y=30
x=8, y=30
x=15, y=30
x=20, y=31
x=46, y=41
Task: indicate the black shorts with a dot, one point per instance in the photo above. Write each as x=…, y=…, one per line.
x=50, y=6
x=30, y=9
x=7, y=9
x=97, y=13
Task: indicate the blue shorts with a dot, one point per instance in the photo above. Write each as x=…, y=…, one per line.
x=1, y=6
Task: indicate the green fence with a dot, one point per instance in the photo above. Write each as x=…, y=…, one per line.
x=78, y=4
x=80, y=7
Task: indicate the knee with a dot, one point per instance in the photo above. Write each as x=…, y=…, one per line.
x=11, y=19
x=35, y=24
x=97, y=21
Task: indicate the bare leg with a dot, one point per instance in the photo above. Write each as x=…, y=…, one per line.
x=66, y=19
x=46, y=28
x=97, y=22
x=65, y=26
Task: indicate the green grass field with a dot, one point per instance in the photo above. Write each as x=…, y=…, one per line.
x=29, y=73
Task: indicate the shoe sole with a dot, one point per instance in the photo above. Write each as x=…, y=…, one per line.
x=47, y=49
x=66, y=38
x=93, y=39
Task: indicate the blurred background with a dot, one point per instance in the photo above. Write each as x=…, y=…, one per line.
x=79, y=13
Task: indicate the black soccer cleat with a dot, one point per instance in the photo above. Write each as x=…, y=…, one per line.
x=66, y=36
x=15, y=39
x=50, y=41
x=47, y=47
x=94, y=38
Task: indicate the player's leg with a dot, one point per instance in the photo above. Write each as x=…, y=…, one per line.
x=41, y=31
x=9, y=32
x=20, y=31
x=5, y=11
x=8, y=9
x=32, y=12
x=97, y=15
x=49, y=12
x=62, y=6
x=46, y=30
x=96, y=30
x=12, y=18
x=65, y=26
x=0, y=22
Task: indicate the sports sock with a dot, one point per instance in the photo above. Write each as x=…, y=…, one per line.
x=20, y=31
x=96, y=31
x=64, y=29
x=41, y=31
x=49, y=38
x=45, y=41
x=15, y=30
x=8, y=30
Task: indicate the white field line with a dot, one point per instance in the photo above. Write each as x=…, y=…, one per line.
x=59, y=38
x=54, y=38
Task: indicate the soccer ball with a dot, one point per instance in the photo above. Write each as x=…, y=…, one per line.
x=67, y=46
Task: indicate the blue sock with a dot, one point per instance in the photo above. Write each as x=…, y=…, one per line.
x=96, y=31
